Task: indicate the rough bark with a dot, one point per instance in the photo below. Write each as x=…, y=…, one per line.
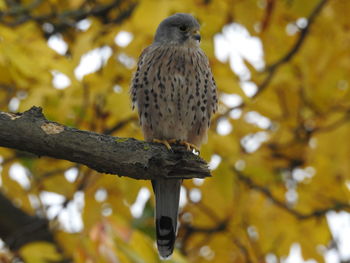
x=32, y=132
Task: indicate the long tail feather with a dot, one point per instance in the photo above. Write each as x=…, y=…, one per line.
x=167, y=194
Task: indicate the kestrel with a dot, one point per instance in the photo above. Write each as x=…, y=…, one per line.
x=175, y=94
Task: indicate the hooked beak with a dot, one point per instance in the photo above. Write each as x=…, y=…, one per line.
x=196, y=35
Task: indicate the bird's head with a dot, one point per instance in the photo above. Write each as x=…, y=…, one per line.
x=178, y=29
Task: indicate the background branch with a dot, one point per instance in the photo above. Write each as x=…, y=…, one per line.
x=337, y=206
x=18, y=14
x=271, y=70
x=18, y=228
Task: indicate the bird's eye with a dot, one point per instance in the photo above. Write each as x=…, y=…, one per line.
x=183, y=28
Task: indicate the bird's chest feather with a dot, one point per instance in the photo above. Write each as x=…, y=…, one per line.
x=170, y=90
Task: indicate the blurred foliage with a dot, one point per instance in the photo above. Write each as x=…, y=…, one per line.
x=258, y=202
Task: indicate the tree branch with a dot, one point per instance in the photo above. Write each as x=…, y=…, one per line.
x=32, y=132
x=298, y=214
x=271, y=70
x=18, y=228
x=18, y=14
x=303, y=33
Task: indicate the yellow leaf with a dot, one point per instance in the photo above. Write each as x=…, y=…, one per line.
x=40, y=252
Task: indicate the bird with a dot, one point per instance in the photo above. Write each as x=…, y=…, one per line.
x=175, y=94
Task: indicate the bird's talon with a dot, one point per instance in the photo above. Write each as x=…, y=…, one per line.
x=172, y=141
x=165, y=142
x=189, y=146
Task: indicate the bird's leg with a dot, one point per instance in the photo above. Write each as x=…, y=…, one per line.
x=165, y=142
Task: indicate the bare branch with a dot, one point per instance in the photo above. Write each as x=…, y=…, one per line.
x=300, y=215
x=271, y=70
x=31, y=132
x=18, y=228
x=119, y=125
x=18, y=14
x=336, y=124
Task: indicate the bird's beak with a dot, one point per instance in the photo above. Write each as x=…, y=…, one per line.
x=196, y=35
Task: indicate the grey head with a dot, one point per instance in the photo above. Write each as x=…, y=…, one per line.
x=180, y=28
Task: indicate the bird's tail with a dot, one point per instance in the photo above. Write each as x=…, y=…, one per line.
x=167, y=194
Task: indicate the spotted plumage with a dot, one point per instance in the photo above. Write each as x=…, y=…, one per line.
x=175, y=94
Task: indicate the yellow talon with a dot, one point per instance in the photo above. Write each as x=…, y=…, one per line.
x=173, y=141
x=189, y=146
x=165, y=142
